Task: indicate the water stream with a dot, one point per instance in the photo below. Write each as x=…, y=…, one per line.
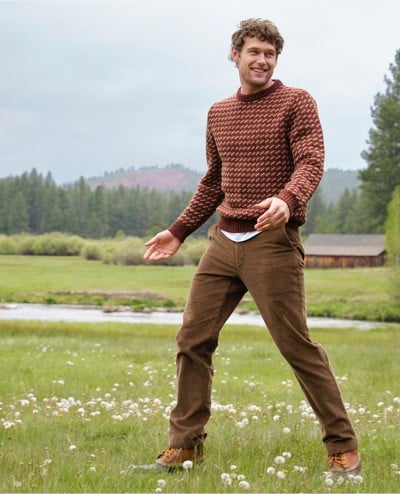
x=69, y=313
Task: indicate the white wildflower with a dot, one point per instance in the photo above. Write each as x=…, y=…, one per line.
x=187, y=465
x=339, y=480
x=226, y=478
x=16, y=483
x=243, y=484
x=280, y=474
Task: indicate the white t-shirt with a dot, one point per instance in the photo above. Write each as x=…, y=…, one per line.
x=240, y=237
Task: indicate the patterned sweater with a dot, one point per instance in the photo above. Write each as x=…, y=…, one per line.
x=258, y=146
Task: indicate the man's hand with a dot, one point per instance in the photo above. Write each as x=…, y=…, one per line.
x=161, y=246
x=276, y=213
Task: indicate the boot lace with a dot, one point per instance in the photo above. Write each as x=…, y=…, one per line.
x=169, y=452
x=338, y=460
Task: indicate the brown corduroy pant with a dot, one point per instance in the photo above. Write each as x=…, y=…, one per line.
x=270, y=267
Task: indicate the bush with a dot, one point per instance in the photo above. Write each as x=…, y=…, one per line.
x=48, y=244
x=127, y=251
x=91, y=251
x=7, y=245
x=57, y=244
x=194, y=249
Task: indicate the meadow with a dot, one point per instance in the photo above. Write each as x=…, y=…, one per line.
x=82, y=403
x=362, y=293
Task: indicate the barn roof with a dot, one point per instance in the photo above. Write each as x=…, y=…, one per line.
x=320, y=244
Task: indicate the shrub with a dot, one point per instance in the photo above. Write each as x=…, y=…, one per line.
x=194, y=249
x=122, y=250
x=56, y=244
x=127, y=251
x=91, y=251
x=7, y=245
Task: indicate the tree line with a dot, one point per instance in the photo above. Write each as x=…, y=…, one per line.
x=32, y=203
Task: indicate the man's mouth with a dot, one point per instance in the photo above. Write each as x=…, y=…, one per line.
x=258, y=70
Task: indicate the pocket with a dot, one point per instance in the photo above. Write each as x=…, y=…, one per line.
x=293, y=237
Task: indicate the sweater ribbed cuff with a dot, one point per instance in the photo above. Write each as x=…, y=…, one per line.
x=179, y=230
x=290, y=200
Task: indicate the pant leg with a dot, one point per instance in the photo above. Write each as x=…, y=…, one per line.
x=273, y=274
x=215, y=292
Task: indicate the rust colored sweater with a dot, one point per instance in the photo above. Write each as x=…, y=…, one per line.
x=258, y=146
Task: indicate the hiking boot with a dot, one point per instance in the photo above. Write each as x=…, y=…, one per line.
x=348, y=462
x=172, y=458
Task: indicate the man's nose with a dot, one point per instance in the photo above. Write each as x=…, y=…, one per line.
x=261, y=58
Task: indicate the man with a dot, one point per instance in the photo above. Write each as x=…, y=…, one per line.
x=265, y=157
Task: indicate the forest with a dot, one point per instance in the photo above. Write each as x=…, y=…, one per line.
x=32, y=203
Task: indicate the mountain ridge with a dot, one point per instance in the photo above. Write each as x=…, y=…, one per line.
x=177, y=177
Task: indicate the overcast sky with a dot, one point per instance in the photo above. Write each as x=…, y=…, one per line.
x=88, y=87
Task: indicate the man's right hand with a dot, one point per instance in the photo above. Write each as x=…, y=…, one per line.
x=161, y=246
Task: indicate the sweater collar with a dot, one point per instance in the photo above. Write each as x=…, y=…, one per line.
x=261, y=94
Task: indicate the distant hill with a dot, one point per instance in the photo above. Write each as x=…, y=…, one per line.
x=171, y=177
x=179, y=178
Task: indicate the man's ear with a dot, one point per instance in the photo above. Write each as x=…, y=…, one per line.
x=235, y=55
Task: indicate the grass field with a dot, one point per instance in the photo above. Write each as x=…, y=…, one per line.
x=365, y=293
x=81, y=403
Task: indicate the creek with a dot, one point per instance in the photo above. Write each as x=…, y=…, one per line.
x=85, y=314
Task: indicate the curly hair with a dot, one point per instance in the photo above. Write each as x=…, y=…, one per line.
x=262, y=29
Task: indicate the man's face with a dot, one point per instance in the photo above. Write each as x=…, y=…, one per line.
x=256, y=63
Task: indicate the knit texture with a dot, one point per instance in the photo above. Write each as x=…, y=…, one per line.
x=258, y=146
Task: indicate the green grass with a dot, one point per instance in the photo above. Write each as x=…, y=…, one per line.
x=80, y=403
x=364, y=293
x=75, y=280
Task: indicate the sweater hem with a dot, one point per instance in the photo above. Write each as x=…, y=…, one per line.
x=234, y=225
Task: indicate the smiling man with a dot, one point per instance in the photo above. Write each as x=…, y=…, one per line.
x=265, y=156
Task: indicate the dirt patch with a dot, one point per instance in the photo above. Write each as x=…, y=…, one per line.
x=112, y=294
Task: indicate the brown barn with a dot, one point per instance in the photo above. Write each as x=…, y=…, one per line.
x=344, y=251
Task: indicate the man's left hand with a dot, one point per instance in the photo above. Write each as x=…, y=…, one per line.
x=276, y=213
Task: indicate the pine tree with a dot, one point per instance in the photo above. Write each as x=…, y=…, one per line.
x=392, y=228
x=18, y=217
x=382, y=174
